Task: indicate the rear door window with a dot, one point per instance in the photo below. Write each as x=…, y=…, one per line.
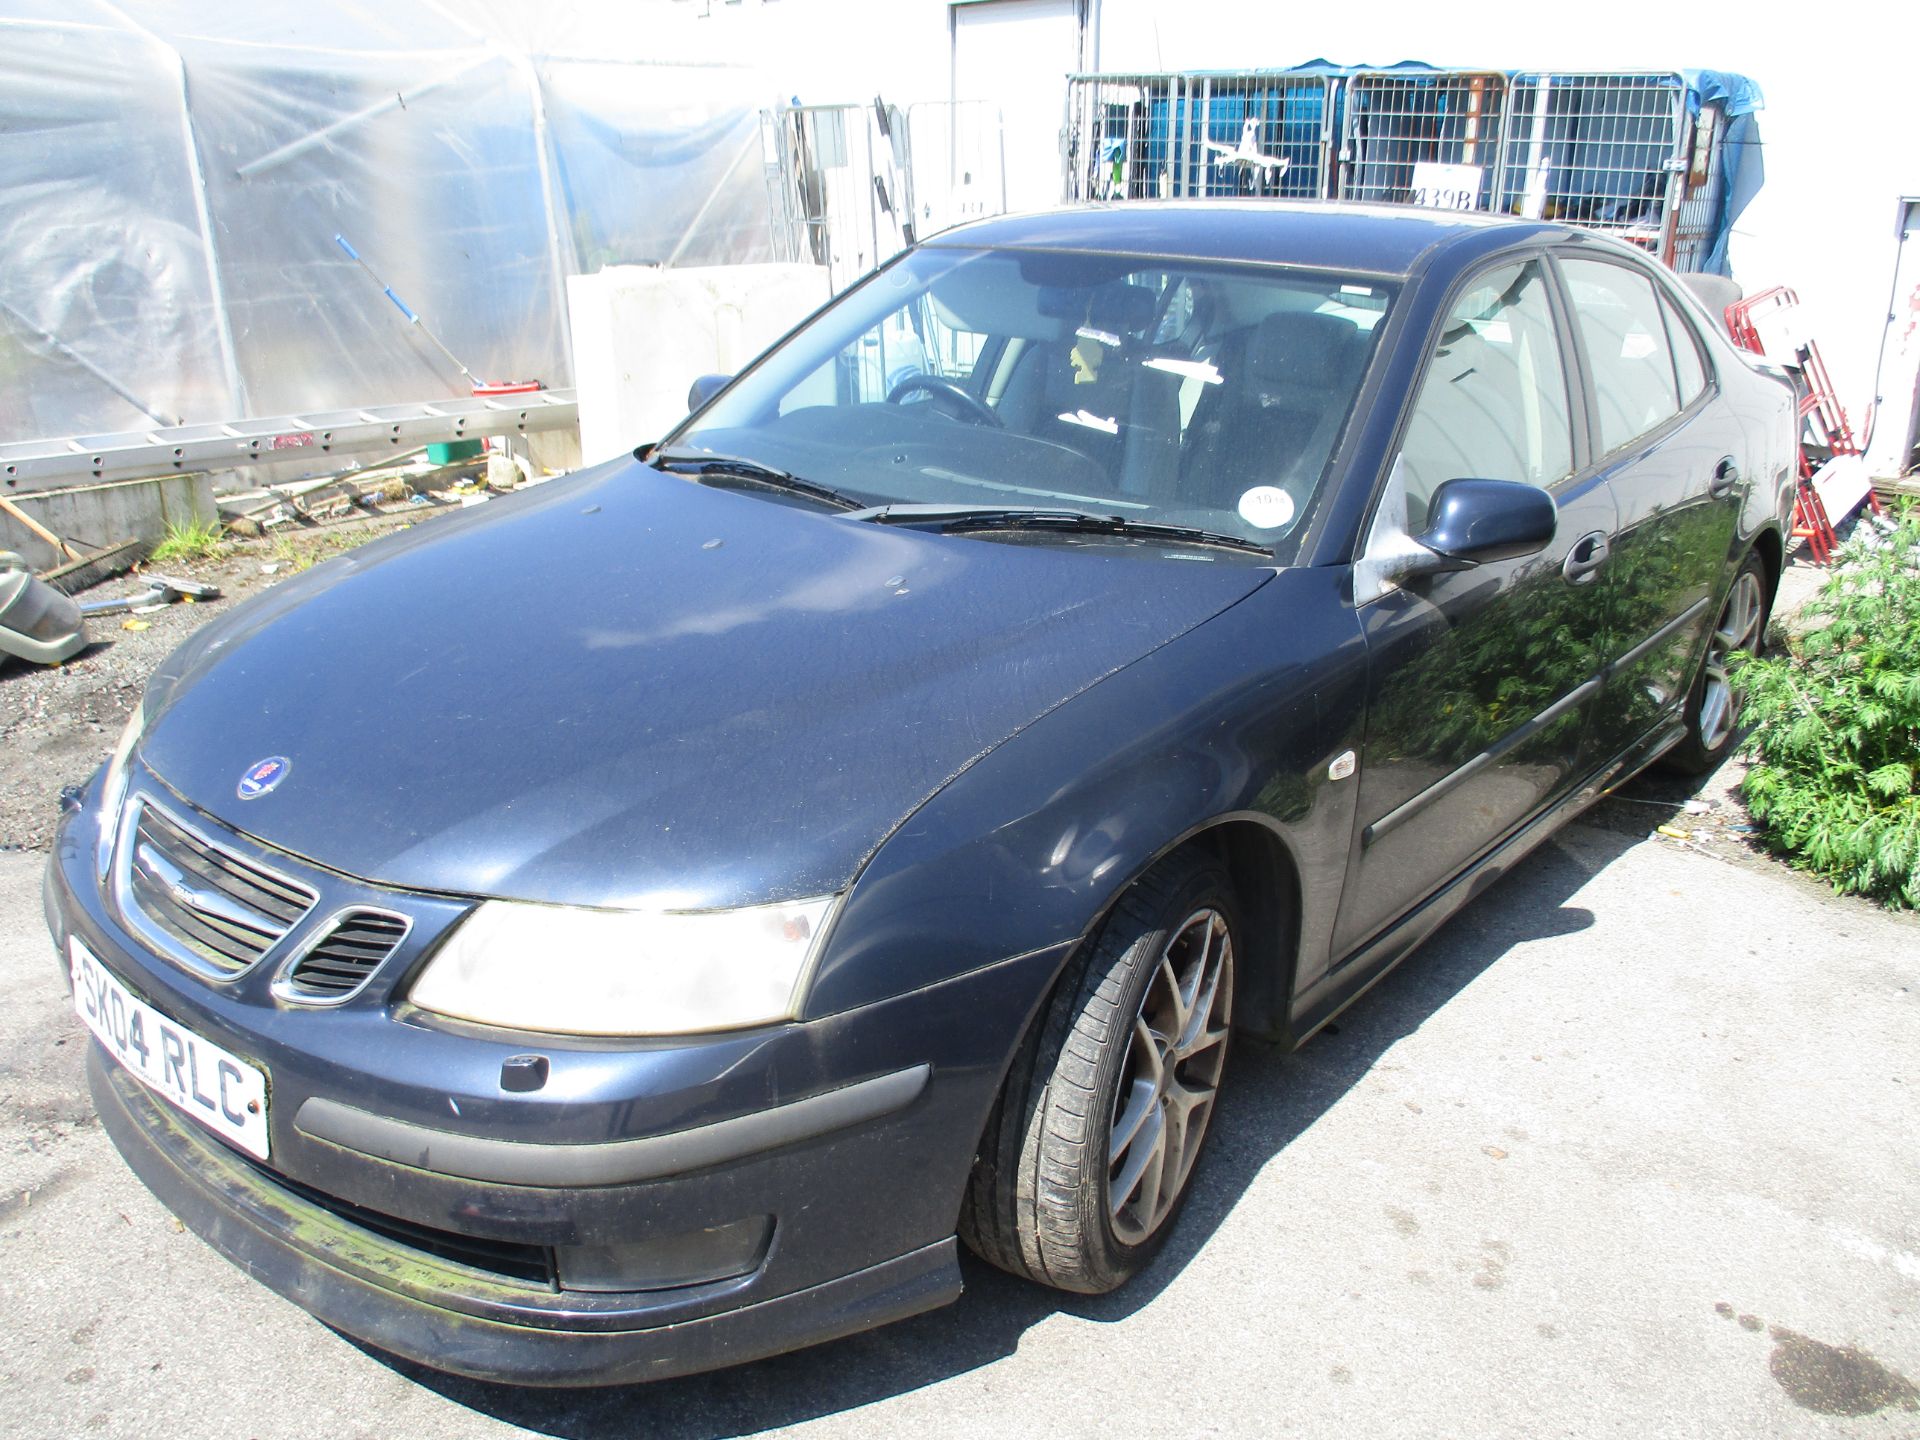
x=1634, y=381
x=1688, y=366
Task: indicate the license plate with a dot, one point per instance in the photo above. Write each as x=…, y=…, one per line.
x=220, y=1090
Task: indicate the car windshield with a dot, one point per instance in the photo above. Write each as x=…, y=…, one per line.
x=1164, y=393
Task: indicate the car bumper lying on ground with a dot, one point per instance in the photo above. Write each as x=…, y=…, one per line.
x=637, y=1218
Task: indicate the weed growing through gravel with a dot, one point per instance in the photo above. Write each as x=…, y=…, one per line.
x=194, y=540
x=302, y=550
x=1835, y=780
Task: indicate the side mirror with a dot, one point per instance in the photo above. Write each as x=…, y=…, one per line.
x=704, y=389
x=1473, y=522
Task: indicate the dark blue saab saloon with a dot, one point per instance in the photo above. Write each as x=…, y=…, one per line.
x=649, y=921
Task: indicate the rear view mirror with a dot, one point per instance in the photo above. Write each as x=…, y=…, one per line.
x=704, y=389
x=1474, y=522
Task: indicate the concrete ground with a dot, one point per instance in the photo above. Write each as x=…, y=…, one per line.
x=1626, y=1150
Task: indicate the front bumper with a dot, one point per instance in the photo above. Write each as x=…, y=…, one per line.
x=399, y=1166
x=396, y=1299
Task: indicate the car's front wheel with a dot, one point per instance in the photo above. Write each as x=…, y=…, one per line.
x=1091, y=1149
x=1713, y=708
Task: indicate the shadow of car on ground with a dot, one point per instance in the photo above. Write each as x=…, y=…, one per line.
x=1268, y=1100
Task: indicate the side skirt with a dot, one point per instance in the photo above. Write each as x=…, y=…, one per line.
x=1365, y=966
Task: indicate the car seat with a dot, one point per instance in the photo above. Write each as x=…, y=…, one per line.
x=1275, y=420
x=1089, y=393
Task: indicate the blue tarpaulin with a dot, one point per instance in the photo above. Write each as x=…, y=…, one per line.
x=1742, y=162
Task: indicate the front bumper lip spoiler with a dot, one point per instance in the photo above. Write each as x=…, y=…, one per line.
x=613, y=1162
x=451, y=1318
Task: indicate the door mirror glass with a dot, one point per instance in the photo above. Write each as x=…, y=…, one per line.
x=704, y=389
x=1473, y=522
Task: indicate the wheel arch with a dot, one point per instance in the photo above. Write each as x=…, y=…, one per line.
x=1266, y=881
x=1772, y=551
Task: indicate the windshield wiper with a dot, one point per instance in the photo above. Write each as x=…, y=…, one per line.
x=707, y=468
x=954, y=519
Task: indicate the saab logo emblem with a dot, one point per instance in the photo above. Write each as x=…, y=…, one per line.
x=263, y=775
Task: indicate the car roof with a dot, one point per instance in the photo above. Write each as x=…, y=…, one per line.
x=1375, y=239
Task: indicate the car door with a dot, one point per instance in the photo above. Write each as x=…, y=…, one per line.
x=1671, y=457
x=1480, y=680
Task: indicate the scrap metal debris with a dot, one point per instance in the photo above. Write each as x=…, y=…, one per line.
x=160, y=590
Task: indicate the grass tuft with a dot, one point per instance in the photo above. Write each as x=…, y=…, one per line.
x=303, y=549
x=195, y=540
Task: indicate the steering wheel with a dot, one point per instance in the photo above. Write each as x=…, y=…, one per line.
x=966, y=407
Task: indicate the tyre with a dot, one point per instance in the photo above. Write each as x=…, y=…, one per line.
x=1090, y=1151
x=1713, y=711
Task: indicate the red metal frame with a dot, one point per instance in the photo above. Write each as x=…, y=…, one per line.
x=1811, y=524
x=1823, y=420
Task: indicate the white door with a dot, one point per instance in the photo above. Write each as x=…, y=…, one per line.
x=1898, y=428
x=1018, y=54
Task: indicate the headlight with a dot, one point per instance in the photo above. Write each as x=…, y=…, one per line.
x=625, y=972
x=113, y=786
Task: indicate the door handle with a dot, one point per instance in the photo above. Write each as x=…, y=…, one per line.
x=1586, y=557
x=1726, y=475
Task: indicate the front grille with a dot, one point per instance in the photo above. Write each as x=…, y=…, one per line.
x=531, y=1264
x=225, y=909
x=351, y=950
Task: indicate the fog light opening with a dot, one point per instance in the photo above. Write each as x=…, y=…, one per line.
x=668, y=1262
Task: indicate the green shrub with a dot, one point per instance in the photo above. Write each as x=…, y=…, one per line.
x=1835, y=781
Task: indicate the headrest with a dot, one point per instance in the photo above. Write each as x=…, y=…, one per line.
x=1299, y=347
x=1121, y=309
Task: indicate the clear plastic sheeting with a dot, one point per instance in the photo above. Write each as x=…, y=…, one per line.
x=175, y=171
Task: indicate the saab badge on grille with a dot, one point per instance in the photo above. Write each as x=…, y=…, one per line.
x=263, y=775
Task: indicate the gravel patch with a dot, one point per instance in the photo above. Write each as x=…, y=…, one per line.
x=58, y=723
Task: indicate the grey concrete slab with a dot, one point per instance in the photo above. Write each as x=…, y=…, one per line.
x=1626, y=1150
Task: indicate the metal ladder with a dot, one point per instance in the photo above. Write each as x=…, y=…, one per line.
x=279, y=442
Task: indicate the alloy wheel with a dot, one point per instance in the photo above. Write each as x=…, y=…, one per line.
x=1170, y=1076
x=1739, y=629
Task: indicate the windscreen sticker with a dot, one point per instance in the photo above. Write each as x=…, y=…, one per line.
x=1266, y=507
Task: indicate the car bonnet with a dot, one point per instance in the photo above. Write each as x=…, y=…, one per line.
x=625, y=689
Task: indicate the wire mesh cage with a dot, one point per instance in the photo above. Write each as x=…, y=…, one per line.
x=839, y=186
x=1638, y=154
x=958, y=162
x=1601, y=151
x=1422, y=138
x=1213, y=135
x=850, y=186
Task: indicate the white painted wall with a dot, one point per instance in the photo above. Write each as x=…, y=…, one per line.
x=1015, y=51
x=1841, y=129
x=642, y=336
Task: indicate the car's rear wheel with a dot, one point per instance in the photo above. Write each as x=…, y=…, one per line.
x=1713, y=708
x=1092, y=1147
